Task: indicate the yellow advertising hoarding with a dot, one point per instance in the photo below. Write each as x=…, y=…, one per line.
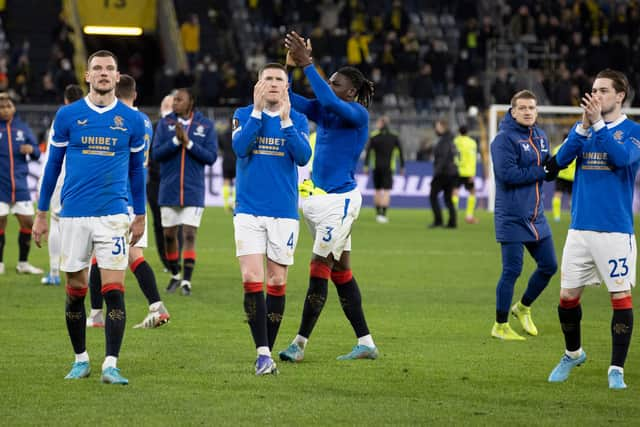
x=118, y=13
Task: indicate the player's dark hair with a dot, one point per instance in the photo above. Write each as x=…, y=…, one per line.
x=364, y=87
x=275, y=65
x=102, y=54
x=463, y=130
x=126, y=87
x=523, y=94
x=619, y=81
x=72, y=93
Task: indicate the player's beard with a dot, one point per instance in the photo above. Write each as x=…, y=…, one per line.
x=102, y=92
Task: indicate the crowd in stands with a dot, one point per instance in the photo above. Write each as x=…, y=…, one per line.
x=422, y=55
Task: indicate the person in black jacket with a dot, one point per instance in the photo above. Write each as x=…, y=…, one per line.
x=383, y=150
x=445, y=175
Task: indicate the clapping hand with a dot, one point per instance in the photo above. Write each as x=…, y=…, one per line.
x=592, y=109
x=259, y=91
x=285, y=111
x=181, y=135
x=299, y=49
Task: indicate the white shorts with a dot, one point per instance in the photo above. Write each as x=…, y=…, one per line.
x=329, y=218
x=108, y=235
x=24, y=207
x=142, y=243
x=54, y=205
x=591, y=257
x=174, y=215
x=276, y=237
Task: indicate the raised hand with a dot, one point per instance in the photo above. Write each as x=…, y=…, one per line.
x=259, y=91
x=299, y=49
x=592, y=108
x=181, y=135
x=285, y=111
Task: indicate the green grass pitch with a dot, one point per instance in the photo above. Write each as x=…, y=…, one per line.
x=429, y=297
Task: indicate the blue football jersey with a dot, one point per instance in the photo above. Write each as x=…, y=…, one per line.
x=267, y=160
x=102, y=147
x=607, y=160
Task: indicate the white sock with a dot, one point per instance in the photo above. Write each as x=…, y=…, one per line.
x=95, y=312
x=82, y=357
x=301, y=341
x=263, y=351
x=155, y=306
x=366, y=340
x=616, y=368
x=109, y=362
x=574, y=354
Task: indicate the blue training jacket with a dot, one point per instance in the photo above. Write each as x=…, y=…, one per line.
x=182, y=169
x=14, y=167
x=518, y=153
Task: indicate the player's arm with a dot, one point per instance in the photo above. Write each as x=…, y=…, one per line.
x=572, y=146
x=297, y=136
x=400, y=154
x=505, y=164
x=328, y=99
x=245, y=132
x=164, y=146
x=619, y=153
x=207, y=152
x=30, y=147
x=137, y=147
x=308, y=107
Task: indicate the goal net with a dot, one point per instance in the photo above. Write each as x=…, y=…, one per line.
x=555, y=120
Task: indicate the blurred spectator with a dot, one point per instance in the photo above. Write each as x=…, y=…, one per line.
x=64, y=76
x=209, y=83
x=422, y=89
x=190, y=33
x=502, y=88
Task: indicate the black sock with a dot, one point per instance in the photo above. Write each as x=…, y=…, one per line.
x=351, y=303
x=256, y=310
x=570, y=322
x=1, y=245
x=378, y=210
x=174, y=267
x=187, y=267
x=115, y=319
x=383, y=210
x=95, y=287
x=24, y=243
x=621, y=330
x=76, y=319
x=275, y=311
x=502, y=316
x=313, y=304
x=146, y=281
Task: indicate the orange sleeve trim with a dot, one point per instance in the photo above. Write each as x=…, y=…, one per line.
x=252, y=287
x=276, y=290
x=320, y=270
x=622, y=303
x=108, y=287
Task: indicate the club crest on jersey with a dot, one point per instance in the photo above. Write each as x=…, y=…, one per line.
x=19, y=135
x=199, y=131
x=526, y=147
x=172, y=127
x=617, y=135
x=82, y=122
x=118, y=123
